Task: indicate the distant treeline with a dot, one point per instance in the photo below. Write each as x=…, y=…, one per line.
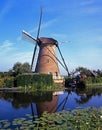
x=20, y=68
x=21, y=75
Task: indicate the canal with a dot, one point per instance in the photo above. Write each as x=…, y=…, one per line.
x=18, y=104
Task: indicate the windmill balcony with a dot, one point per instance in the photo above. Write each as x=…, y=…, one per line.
x=58, y=79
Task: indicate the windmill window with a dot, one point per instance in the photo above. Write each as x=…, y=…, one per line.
x=56, y=74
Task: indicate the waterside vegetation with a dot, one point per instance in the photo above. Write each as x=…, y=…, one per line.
x=30, y=82
x=83, y=77
x=21, y=76
x=78, y=119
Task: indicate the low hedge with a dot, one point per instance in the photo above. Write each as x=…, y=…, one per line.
x=93, y=80
x=80, y=82
x=7, y=82
x=38, y=80
x=2, y=84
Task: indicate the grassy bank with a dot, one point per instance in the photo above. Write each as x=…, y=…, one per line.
x=34, y=88
x=93, y=81
x=83, y=82
x=93, y=84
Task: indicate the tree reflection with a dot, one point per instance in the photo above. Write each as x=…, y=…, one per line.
x=48, y=101
x=86, y=94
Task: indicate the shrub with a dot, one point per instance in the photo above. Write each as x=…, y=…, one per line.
x=37, y=80
x=9, y=82
x=2, y=84
x=22, y=80
x=92, y=80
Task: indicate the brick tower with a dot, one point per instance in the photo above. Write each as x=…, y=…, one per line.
x=47, y=62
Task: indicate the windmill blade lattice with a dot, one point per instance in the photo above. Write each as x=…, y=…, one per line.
x=27, y=37
x=47, y=61
x=37, y=39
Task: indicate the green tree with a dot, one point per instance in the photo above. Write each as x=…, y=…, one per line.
x=26, y=68
x=83, y=70
x=99, y=73
x=1, y=74
x=19, y=68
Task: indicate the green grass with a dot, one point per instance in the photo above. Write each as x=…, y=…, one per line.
x=93, y=84
x=35, y=88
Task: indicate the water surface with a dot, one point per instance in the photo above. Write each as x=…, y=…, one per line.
x=18, y=104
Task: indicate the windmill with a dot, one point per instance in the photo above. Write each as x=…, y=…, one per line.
x=47, y=61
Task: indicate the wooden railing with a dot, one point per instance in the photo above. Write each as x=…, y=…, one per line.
x=58, y=77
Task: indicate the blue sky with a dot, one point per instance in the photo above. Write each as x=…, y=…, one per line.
x=75, y=24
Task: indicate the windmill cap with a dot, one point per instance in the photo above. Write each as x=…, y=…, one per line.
x=45, y=40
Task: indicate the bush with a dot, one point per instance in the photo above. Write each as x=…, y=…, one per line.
x=38, y=80
x=9, y=82
x=81, y=84
x=92, y=80
x=42, y=79
x=22, y=80
x=2, y=84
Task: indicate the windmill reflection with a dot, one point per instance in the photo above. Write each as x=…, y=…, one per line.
x=64, y=101
x=53, y=105
x=32, y=112
x=49, y=106
x=38, y=102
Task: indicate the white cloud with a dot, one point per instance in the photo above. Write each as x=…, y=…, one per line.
x=10, y=54
x=89, y=57
x=99, y=39
x=21, y=57
x=87, y=2
x=92, y=10
x=6, y=44
x=5, y=47
x=43, y=25
x=48, y=23
x=59, y=36
x=9, y=60
x=90, y=7
x=7, y=7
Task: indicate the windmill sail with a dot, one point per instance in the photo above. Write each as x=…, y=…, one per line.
x=37, y=39
x=27, y=37
x=47, y=62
